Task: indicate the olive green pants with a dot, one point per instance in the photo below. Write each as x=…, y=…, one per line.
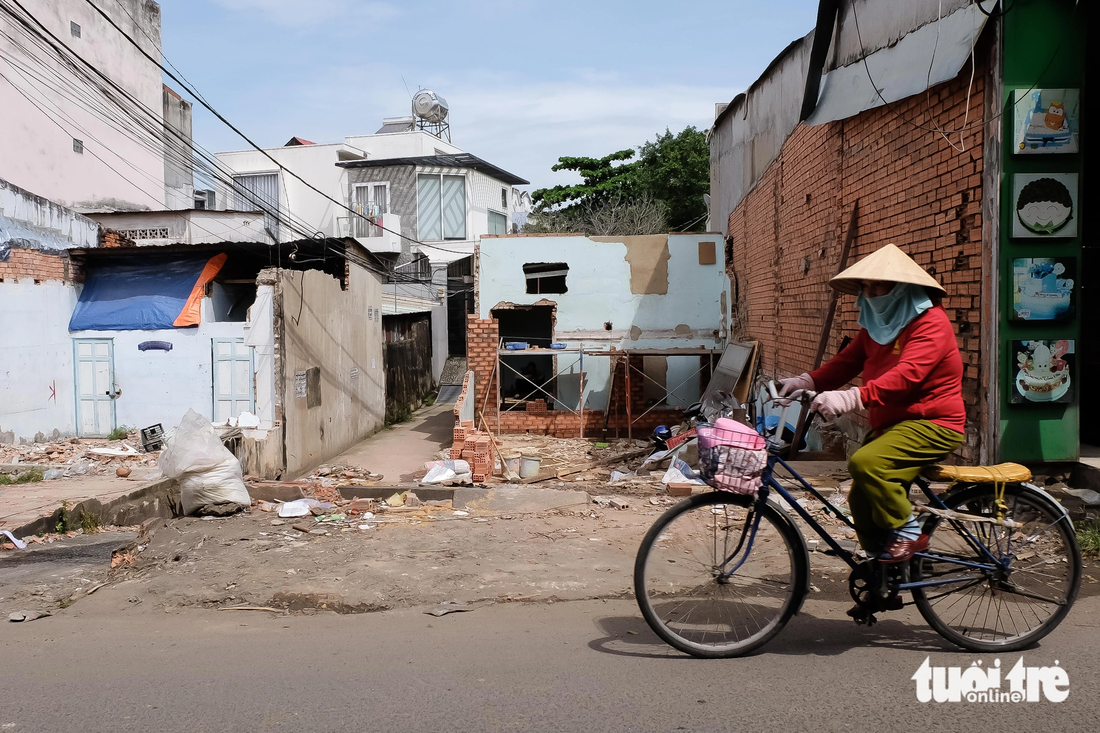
x=883, y=469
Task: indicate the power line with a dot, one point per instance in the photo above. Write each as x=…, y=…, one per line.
x=147, y=124
x=234, y=128
x=176, y=146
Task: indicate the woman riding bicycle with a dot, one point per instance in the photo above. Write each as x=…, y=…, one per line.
x=912, y=390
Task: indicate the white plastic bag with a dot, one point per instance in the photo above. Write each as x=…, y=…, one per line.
x=208, y=473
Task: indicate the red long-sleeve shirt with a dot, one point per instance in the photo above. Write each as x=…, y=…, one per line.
x=917, y=377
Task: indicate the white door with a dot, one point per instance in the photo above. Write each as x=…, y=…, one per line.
x=95, y=386
x=233, y=385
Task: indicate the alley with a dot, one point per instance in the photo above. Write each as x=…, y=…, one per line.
x=564, y=667
x=399, y=452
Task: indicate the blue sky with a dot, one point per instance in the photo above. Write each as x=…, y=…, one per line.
x=526, y=81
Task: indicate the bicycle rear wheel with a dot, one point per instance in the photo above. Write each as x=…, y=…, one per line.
x=1032, y=586
x=681, y=583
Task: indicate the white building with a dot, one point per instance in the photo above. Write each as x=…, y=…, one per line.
x=64, y=138
x=428, y=204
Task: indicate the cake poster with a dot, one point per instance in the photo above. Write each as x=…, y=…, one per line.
x=1043, y=371
x=1042, y=288
x=1044, y=205
x=1046, y=121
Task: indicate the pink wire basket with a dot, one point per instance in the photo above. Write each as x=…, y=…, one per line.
x=732, y=456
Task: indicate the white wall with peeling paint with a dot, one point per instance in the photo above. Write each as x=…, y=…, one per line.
x=36, y=359
x=692, y=314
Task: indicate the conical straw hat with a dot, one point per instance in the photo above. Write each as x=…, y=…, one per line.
x=889, y=264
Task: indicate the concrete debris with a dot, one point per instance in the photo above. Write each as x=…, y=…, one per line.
x=64, y=458
x=27, y=615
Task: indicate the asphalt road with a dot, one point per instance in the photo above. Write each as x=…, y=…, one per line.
x=105, y=665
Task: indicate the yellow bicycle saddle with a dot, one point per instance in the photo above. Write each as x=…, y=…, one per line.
x=1001, y=473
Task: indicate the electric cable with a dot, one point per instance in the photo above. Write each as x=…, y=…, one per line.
x=175, y=146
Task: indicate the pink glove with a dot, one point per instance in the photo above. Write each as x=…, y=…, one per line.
x=793, y=384
x=833, y=404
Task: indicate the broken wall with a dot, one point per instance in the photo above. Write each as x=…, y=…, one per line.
x=332, y=389
x=642, y=292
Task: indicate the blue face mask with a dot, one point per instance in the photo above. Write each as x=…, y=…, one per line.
x=885, y=316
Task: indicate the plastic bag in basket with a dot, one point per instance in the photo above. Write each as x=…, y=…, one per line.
x=732, y=457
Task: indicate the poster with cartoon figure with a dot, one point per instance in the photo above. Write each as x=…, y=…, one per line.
x=1044, y=205
x=1042, y=371
x=1046, y=121
x=1042, y=288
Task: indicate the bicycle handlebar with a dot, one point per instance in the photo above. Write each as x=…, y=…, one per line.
x=803, y=395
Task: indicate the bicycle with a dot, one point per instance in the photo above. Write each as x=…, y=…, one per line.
x=721, y=573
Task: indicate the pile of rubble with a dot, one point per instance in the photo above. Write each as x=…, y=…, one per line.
x=80, y=456
x=314, y=516
x=324, y=481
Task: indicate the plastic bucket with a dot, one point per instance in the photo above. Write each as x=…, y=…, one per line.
x=529, y=465
x=511, y=461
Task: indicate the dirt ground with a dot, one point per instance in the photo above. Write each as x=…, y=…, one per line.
x=418, y=557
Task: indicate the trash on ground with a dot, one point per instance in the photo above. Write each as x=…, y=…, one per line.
x=302, y=507
x=207, y=472
x=14, y=540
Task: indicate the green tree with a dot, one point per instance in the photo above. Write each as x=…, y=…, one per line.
x=600, y=180
x=671, y=172
x=675, y=169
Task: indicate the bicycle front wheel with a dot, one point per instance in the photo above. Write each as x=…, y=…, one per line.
x=684, y=584
x=1014, y=584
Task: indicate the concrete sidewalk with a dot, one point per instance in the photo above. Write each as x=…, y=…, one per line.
x=22, y=504
x=398, y=453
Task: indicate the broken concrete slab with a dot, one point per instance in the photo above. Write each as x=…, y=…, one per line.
x=378, y=493
x=518, y=499
x=274, y=491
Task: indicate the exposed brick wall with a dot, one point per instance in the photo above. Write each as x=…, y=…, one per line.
x=41, y=266
x=914, y=189
x=482, y=339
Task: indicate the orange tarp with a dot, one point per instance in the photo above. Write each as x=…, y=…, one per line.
x=192, y=310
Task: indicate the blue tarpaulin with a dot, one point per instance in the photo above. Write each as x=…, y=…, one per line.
x=139, y=293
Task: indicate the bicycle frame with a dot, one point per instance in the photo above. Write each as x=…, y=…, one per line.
x=771, y=484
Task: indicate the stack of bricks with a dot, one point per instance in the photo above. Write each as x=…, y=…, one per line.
x=476, y=448
x=915, y=189
x=536, y=407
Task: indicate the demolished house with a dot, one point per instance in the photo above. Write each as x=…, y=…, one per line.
x=577, y=336
x=130, y=319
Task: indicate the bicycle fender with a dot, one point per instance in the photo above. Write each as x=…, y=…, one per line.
x=1046, y=495
x=805, y=589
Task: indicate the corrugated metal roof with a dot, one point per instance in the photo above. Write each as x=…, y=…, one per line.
x=455, y=160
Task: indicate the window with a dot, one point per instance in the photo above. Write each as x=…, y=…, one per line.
x=440, y=207
x=504, y=198
x=371, y=200
x=78, y=146
x=498, y=223
x=546, y=277
x=259, y=192
x=74, y=28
